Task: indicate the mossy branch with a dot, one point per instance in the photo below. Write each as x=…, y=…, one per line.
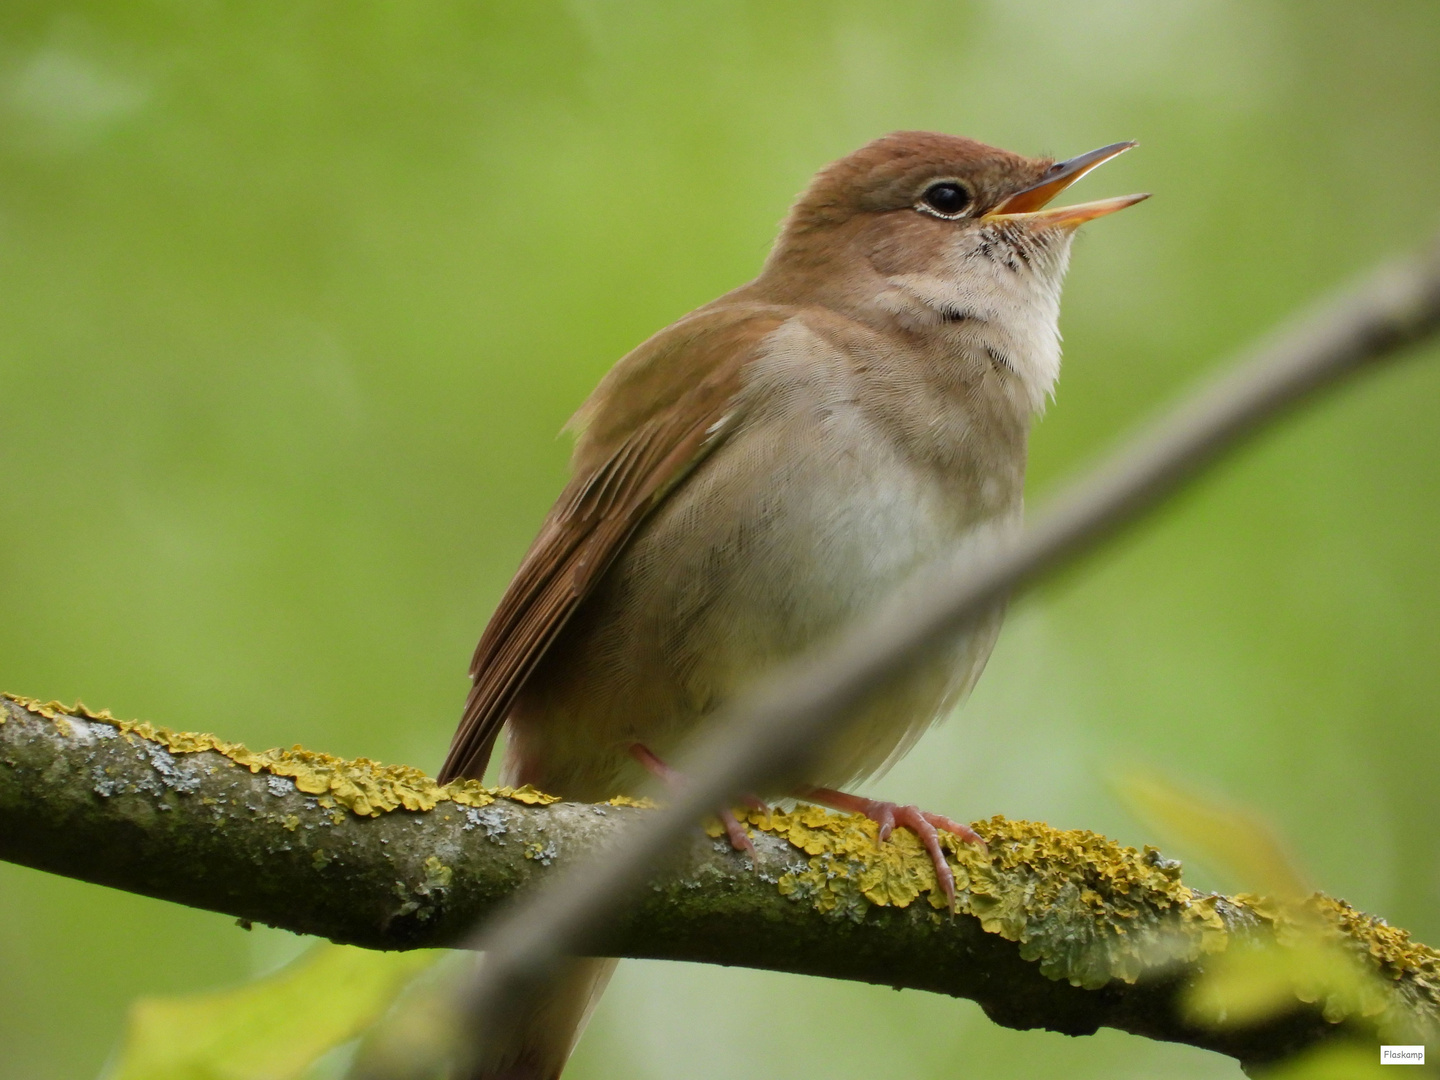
x=1061, y=930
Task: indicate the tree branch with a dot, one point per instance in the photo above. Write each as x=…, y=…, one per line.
x=1061, y=930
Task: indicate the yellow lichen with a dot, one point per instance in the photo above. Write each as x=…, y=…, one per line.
x=849, y=863
x=362, y=786
x=1085, y=908
x=626, y=800
x=1387, y=955
x=1392, y=950
x=437, y=874
x=526, y=794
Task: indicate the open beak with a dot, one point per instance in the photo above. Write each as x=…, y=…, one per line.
x=1028, y=205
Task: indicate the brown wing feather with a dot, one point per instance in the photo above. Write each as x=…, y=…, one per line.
x=656, y=416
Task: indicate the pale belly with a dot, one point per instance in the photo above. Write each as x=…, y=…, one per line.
x=762, y=552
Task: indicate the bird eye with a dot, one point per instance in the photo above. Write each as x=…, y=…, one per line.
x=946, y=198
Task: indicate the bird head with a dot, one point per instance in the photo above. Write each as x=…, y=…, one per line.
x=923, y=231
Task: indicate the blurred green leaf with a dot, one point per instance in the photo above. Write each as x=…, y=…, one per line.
x=274, y=1028
x=1228, y=838
x=1247, y=985
x=1253, y=982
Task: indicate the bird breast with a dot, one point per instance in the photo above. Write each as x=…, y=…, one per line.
x=825, y=496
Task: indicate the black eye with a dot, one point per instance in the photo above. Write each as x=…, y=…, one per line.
x=946, y=197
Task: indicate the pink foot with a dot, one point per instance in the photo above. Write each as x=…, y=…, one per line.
x=888, y=814
x=739, y=838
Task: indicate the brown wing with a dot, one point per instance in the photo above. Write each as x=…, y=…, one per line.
x=658, y=413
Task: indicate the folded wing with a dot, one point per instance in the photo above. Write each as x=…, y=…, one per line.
x=652, y=420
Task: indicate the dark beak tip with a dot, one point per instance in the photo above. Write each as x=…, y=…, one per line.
x=1109, y=151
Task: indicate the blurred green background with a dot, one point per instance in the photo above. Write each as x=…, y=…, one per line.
x=294, y=298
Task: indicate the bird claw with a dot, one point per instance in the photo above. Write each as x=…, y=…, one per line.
x=739, y=838
x=924, y=825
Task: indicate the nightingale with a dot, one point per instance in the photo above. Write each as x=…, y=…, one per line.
x=765, y=468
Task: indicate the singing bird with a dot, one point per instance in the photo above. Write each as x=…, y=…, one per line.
x=766, y=468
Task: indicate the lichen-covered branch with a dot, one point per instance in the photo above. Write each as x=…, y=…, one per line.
x=1061, y=930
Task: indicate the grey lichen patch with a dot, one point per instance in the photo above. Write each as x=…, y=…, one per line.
x=173, y=775
x=489, y=818
x=105, y=785
x=280, y=786
x=167, y=774
x=82, y=732
x=544, y=854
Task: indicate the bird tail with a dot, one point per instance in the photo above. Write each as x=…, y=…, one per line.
x=540, y=1040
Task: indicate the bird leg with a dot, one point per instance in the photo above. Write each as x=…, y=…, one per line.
x=739, y=838
x=888, y=814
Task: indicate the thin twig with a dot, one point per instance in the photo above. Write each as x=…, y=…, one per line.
x=767, y=733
